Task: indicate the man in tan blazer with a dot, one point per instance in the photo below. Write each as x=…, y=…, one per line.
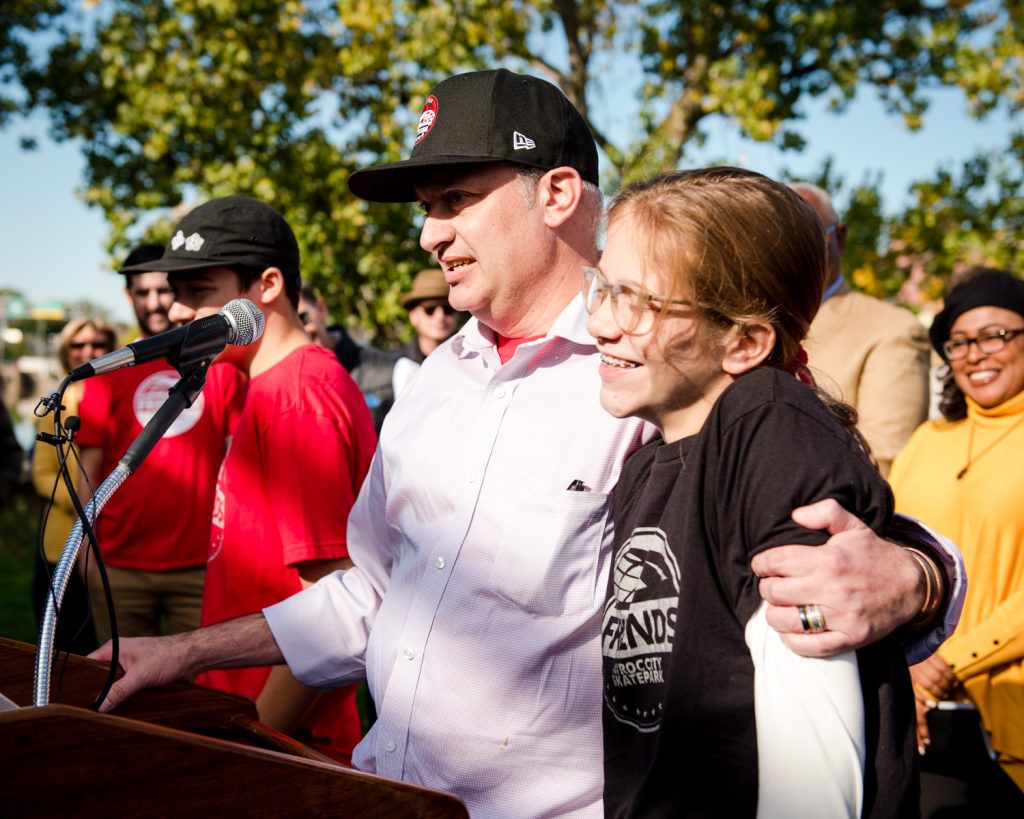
x=870, y=354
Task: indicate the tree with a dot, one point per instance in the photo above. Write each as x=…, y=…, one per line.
x=175, y=101
x=19, y=21
x=965, y=216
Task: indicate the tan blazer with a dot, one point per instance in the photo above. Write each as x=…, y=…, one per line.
x=874, y=356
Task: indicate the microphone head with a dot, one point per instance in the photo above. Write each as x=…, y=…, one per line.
x=246, y=319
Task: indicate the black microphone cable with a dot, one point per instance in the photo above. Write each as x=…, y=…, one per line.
x=55, y=403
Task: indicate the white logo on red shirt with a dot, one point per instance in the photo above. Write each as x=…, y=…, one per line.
x=150, y=396
x=427, y=118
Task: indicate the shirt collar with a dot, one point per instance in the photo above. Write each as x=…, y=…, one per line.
x=833, y=288
x=571, y=324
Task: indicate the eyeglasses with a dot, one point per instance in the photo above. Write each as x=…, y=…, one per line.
x=432, y=307
x=633, y=308
x=96, y=345
x=989, y=340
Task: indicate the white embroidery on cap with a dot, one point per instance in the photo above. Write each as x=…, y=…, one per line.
x=521, y=142
x=178, y=240
x=194, y=242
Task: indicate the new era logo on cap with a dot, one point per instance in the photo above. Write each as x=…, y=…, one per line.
x=521, y=142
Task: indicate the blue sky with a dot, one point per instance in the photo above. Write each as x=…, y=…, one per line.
x=54, y=249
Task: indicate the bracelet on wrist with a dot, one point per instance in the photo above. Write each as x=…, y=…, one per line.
x=934, y=587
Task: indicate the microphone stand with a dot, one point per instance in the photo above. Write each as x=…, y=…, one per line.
x=180, y=396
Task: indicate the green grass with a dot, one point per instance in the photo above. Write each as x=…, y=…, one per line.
x=19, y=520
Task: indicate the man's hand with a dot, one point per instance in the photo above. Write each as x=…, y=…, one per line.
x=865, y=586
x=153, y=661
x=148, y=662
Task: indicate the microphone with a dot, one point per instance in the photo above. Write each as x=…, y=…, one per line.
x=239, y=322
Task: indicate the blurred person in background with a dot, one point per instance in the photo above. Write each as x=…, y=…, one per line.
x=430, y=314
x=380, y=375
x=80, y=341
x=962, y=474
x=870, y=354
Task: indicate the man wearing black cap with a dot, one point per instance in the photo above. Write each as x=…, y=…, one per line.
x=153, y=534
x=299, y=453
x=481, y=536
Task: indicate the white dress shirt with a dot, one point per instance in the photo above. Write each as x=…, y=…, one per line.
x=474, y=607
x=475, y=604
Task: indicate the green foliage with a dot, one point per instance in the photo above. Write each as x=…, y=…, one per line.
x=19, y=20
x=19, y=524
x=174, y=101
x=970, y=215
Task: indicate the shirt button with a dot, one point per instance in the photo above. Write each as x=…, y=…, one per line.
x=409, y=654
x=472, y=479
x=439, y=563
x=389, y=745
x=499, y=393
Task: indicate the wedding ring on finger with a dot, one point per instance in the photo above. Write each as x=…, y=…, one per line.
x=812, y=621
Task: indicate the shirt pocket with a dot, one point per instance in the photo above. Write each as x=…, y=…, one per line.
x=550, y=553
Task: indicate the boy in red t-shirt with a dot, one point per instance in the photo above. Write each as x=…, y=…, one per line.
x=154, y=532
x=300, y=451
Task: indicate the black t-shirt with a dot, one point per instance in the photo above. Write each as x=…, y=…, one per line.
x=680, y=734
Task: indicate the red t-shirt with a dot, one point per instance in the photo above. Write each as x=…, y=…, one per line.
x=159, y=519
x=299, y=455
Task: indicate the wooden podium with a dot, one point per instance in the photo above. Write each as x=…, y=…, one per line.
x=180, y=750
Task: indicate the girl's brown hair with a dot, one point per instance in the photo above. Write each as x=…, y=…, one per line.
x=743, y=247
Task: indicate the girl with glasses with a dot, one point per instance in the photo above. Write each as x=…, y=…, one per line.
x=706, y=287
x=963, y=475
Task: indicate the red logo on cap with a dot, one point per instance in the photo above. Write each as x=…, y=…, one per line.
x=427, y=119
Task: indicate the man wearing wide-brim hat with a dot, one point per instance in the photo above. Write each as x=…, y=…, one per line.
x=430, y=313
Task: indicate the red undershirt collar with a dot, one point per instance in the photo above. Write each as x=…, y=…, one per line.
x=507, y=346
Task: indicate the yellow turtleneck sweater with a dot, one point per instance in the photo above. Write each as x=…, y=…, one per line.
x=984, y=513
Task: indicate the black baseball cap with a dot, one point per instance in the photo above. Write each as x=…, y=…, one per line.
x=142, y=253
x=487, y=116
x=227, y=232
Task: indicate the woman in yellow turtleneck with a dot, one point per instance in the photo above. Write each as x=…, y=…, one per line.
x=964, y=477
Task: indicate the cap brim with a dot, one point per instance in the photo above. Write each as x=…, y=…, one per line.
x=395, y=181
x=172, y=264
